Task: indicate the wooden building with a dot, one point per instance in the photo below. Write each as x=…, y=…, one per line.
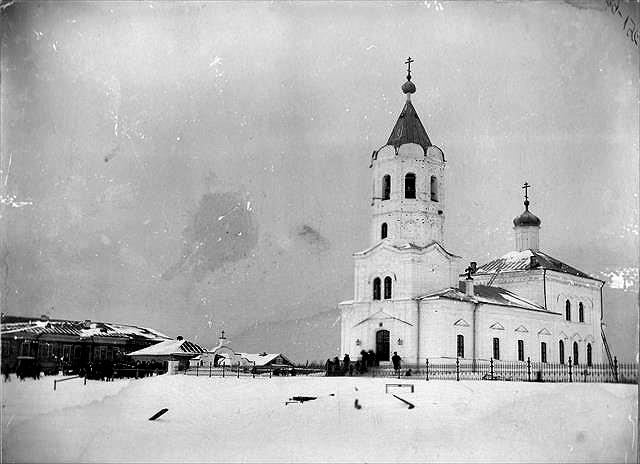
x=59, y=343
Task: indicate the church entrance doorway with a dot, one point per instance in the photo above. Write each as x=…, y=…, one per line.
x=382, y=345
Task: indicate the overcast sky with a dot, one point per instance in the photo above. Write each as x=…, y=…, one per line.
x=199, y=166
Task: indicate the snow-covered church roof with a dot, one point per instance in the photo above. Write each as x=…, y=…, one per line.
x=486, y=295
x=527, y=260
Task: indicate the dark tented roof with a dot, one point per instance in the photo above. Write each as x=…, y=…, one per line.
x=409, y=129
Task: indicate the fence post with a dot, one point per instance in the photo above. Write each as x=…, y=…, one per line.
x=427, y=368
x=254, y=369
x=491, y=365
x=209, y=368
x=85, y=379
x=457, y=369
x=54, y=385
x=223, y=371
x=570, y=376
x=238, y=370
x=615, y=368
x=196, y=370
x=529, y=368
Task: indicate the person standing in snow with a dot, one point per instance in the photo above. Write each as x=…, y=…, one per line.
x=336, y=366
x=395, y=359
x=329, y=367
x=346, y=364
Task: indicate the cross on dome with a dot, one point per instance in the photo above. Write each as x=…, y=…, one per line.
x=408, y=63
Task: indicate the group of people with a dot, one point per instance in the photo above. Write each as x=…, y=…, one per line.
x=367, y=360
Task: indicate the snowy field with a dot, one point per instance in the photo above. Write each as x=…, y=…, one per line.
x=232, y=420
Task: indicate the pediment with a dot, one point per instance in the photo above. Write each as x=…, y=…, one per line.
x=381, y=316
x=563, y=335
x=461, y=323
x=544, y=331
x=522, y=329
x=496, y=326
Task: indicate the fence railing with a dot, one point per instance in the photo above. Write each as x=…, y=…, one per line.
x=250, y=371
x=522, y=371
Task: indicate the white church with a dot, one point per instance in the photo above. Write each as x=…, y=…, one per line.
x=409, y=295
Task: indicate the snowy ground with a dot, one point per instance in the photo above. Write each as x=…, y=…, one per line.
x=231, y=420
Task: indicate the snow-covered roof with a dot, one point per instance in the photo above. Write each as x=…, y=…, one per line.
x=170, y=348
x=16, y=325
x=527, y=260
x=262, y=359
x=486, y=295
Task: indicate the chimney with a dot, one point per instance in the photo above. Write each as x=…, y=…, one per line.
x=86, y=324
x=44, y=317
x=469, y=286
x=179, y=337
x=469, y=280
x=533, y=262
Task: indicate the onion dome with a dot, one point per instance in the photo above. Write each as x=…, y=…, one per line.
x=408, y=87
x=527, y=218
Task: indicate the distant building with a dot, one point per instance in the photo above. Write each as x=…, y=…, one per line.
x=75, y=343
x=223, y=355
x=410, y=297
x=174, y=354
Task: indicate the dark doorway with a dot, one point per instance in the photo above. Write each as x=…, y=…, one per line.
x=382, y=345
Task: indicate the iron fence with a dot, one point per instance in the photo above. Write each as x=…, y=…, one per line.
x=520, y=371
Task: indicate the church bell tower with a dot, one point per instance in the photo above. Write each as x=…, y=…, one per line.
x=408, y=201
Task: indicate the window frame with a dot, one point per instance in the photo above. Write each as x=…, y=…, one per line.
x=407, y=191
x=386, y=187
x=433, y=189
x=384, y=231
x=543, y=352
x=561, y=351
x=520, y=350
x=567, y=310
x=388, y=288
x=580, y=312
x=460, y=346
x=377, y=289
x=496, y=348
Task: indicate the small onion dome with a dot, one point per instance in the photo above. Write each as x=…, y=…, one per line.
x=408, y=87
x=527, y=218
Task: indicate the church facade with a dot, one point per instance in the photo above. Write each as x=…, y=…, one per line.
x=409, y=295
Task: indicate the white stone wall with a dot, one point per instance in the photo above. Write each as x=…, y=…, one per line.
x=529, y=284
x=418, y=220
x=527, y=238
x=403, y=328
x=562, y=287
x=413, y=272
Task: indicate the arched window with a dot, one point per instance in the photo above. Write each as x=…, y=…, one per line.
x=580, y=312
x=543, y=352
x=376, y=288
x=496, y=348
x=410, y=185
x=434, y=188
x=561, y=348
x=383, y=230
x=387, y=288
x=460, y=346
x=575, y=353
x=386, y=187
x=567, y=310
x=520, y=350
x=589, y=360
